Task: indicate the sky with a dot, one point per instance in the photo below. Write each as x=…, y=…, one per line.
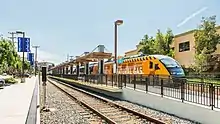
x=76, y=26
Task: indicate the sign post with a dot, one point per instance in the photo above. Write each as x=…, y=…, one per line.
x=23, y=46
x=30, y=57
x=44, y=80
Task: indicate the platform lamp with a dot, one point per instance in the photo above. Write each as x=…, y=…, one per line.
x=22, y=77
x=117, y=23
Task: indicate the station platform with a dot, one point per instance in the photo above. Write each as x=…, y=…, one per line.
x=16, y=100
x=107, y=90
x=186, y=110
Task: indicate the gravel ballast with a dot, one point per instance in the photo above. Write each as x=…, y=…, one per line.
x=69, y=112
x=156, y=114
x=63, y=109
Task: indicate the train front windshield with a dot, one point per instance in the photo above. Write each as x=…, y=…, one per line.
x=173, y=67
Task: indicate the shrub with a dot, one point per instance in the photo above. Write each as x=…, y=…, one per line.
x=10, y=80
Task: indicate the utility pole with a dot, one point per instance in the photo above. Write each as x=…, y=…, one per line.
x=35, y=64
x=12, y=37
x=67, y=57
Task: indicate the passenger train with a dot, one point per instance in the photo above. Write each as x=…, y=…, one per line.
x=159, y=66
x=142, y=64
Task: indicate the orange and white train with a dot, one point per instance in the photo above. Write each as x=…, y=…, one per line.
x=143, y=64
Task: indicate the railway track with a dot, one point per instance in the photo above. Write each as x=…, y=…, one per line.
x=108, y=111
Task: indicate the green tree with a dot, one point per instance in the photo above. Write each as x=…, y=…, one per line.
x=206, y=40
x=163, y=43
x=158, y=45
x=201, y=61
x=147, y=45
x=27, y=65
x=9, y=59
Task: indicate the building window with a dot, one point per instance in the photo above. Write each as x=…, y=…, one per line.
x=185, y=46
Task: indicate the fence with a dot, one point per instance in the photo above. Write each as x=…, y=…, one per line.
x=204, y=92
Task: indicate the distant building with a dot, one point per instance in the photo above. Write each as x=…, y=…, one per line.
x=133, y=52
x=183, y=46
x=47, y=64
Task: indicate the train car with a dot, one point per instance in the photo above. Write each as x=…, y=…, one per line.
x=159, y=66
x=146, y=65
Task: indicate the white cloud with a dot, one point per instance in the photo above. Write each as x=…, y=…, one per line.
x=191, y=16
x=50, y=57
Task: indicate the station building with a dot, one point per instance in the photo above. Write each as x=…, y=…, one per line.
x=183, y=46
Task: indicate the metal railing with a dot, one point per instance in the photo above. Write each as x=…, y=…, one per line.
x=197, y=91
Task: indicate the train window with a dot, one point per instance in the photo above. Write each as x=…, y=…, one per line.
x=151, y=65
x=157, y=67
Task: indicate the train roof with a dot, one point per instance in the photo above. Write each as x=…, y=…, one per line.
x=157, y=56
x=160, y=56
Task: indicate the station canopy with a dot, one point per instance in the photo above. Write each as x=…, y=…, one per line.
x=88, y=57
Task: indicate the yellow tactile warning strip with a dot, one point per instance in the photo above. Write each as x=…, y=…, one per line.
x=97, y=86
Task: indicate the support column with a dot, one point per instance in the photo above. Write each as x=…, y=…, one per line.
x=71, y=69
x=101, y=71
x=87, y=68
x=63, y=72
x=77, y=70
x=86, y=65
x=101, y=48
x=101, y=66
x=67, y=69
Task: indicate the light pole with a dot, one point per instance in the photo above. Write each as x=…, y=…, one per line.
x=117, y=23
x=12, y=37
x=23, y=33
x=35, y=64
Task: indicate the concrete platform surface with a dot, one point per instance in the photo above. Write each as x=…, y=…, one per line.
x=96, y=86
x=185, y=110
x=15, y=102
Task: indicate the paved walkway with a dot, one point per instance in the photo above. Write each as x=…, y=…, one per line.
x=15, y=102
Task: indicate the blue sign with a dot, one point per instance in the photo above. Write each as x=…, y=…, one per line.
x=30, y=57
x=26, y=45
